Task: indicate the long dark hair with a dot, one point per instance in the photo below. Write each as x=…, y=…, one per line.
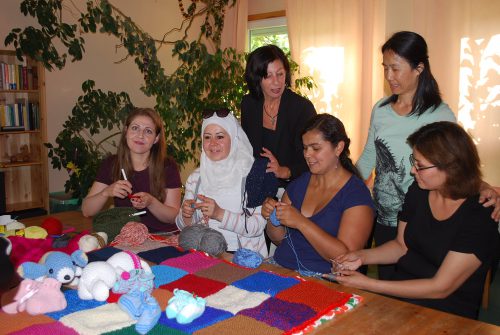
x=448, y=146
x=412, y=47
x=256, y=68
x=157, y=155
x=332, y=130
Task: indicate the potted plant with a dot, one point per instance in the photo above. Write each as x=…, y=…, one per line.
x=89, y=134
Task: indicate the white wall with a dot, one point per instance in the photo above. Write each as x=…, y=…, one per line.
x=99, y=62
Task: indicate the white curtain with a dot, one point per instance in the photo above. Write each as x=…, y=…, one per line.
x=338, y=43
x=235, y=34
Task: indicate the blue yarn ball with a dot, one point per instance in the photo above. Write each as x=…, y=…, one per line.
x=247, y=258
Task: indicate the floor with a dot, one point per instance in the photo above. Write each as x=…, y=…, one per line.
x=490, y=315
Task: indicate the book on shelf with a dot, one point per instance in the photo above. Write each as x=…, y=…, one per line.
x=18, y=77
x=12, y=128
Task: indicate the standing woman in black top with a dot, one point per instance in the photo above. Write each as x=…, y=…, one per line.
x=272, y=115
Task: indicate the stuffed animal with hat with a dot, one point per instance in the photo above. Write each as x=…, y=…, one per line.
x=57, y=265
x=99, y=277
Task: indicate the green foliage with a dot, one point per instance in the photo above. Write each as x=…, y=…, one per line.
x=279, y=39
x=203, y=79
x=77, y=148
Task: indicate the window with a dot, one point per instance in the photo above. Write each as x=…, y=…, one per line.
x=268, y=31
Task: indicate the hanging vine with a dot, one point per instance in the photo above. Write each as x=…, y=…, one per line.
x=202, y=79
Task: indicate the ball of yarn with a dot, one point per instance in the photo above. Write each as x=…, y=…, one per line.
x=190, y=237
x=247, y=258
x=202, y=238
x=52, y=225
x=111, y=221
x=213, y=242
x=133, y=233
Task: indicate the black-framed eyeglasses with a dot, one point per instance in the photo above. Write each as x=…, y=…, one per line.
x=419, y=168
x=221, y=112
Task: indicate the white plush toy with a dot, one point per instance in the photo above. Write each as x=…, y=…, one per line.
x=99, y=277
x=94, y=241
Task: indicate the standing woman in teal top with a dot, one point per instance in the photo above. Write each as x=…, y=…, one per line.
x=415, y=101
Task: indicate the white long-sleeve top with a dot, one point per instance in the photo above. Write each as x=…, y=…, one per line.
x=238, y=229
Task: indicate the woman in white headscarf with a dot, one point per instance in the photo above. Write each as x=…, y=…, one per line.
x=215, y=192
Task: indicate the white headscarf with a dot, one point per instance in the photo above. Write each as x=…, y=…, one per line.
x=222, y=180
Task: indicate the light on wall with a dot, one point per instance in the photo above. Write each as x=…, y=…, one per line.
x=326, y=66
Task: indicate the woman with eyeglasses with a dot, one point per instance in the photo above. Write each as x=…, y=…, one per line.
x=139, y=175
x=415, y=101
x=325, y=212
x=215, y=193
x=272, y=115
x=446, y=239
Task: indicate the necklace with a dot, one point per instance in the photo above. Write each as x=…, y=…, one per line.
x=273, y=118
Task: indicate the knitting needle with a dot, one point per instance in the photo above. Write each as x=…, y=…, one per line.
x=138, y=213
x=329, y=277
x=130, y=196
x=124, y=175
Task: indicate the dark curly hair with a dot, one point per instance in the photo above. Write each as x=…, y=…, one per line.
x=256, y=68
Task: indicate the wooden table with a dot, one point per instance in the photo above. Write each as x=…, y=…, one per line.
x=375, y=315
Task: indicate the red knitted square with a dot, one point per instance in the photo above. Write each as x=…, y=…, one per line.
x=315, y=295
x=200, y=286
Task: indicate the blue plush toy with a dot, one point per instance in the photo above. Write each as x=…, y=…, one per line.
x=57, y=265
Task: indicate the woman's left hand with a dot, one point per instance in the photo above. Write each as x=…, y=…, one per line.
x=489, y=197
x=353, y=279
x=210, y=208
x=274, y=166
x=141, y=200
x=288, y=215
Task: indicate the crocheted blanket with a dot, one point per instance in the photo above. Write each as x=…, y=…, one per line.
x=238, y=301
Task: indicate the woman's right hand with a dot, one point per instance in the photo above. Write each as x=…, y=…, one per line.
x=120, y=189
x=188, y=208
x=350, y=261
x=267, y=207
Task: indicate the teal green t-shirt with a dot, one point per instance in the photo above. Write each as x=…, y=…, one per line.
x=386, y=150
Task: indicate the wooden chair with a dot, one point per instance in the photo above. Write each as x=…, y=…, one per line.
x=486, y=291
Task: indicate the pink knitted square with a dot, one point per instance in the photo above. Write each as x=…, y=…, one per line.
x=192, y=262
x=46, y=328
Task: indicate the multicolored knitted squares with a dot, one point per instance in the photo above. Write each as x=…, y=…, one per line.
x=238, y=301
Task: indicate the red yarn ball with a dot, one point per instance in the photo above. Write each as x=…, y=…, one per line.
x=52, y=225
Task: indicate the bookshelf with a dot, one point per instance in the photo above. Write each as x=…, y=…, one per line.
x=23, y=157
